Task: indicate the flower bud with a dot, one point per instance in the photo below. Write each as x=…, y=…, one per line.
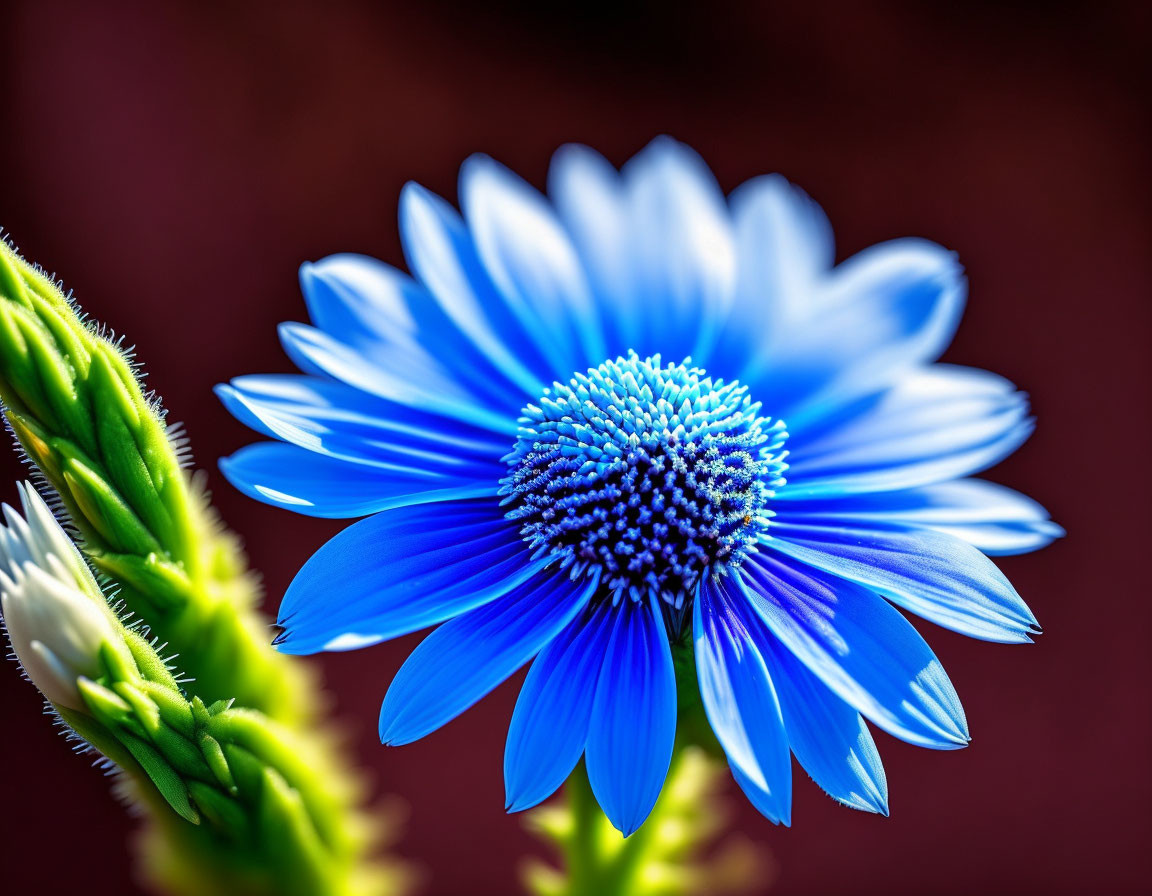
x=36, y=534
x=55, y=614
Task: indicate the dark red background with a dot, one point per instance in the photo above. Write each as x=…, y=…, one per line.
x=176, y=164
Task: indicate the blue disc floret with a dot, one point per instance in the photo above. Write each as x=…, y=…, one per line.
x=649, y=475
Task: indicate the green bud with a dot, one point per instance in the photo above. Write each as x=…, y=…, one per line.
x=238, y=780
x=80, y=413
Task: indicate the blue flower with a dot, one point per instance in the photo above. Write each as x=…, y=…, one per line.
x=634, y=418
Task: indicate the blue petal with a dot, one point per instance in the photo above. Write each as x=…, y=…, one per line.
x=400, y=571
x=338, y=421
x=359, y=299
x=890, y=308
x=682, y=248
x=317, y=353
x=441, y=253
x=785, y=249
x=827, y=735
x=914, y=291
x=589, y=197
x=365, y=304
x=532, y=262
x=738, y=694
x=390, y=319
x=550, y=724
x=470, y=655
x=941, y=423
x=656, y=242
x=765, y=802
x=860, y=647
x=326, y=399
x=633, y=718
x=933, y=575
x=991, y=517
x=296, y=479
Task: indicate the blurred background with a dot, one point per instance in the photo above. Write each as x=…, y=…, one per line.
x=175, y=163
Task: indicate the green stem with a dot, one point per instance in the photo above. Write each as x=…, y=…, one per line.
x=662, y=858
x=581, y=855
x=601, y=861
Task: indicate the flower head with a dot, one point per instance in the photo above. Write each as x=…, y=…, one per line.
x=55, y=613
x=638, y=416
x=644, y=475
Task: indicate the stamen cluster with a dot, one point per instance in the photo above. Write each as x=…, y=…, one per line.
x=648, y=475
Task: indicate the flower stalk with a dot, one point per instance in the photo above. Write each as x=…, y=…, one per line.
x=247, y=791
x=665, y=857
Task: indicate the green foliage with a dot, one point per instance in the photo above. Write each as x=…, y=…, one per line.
x=257, y=818
x=247, y=793
x=72, y=398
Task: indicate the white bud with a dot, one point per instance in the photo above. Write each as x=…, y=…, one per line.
x=56, y=616
x=31, y=538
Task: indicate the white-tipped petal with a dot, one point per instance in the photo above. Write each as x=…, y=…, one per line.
x=56, y=630
x=56, y=616
x=35, y=536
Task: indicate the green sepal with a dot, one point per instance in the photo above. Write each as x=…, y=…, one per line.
x=287, y=833
x=148, y=661
x=213, y=755
x=118, y=664
x=103, y=508
x=112, y=397
x=172, y=706
x=69, y=343
x=146, y=711
x=55, y=387
x=246, y=769
x=167, y=781
x=21, y=379
x=200, y=713
x=35, y=442
x=128, y=450
x=184, y=755
x=221, y=811
x=96, y=735
x=11, y=283
x=251, y=731
x=163, y=584
x=117, y=421
x=112, y=710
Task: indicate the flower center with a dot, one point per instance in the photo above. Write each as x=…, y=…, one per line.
x=649, y=475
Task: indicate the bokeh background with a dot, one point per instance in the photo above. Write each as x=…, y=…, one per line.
x=176, y=162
